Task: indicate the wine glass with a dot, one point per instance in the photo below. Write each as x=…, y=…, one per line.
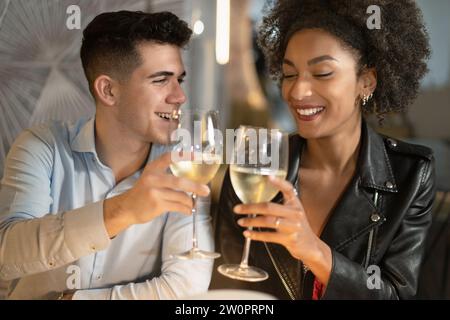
x=196, y=155
x=249, y=175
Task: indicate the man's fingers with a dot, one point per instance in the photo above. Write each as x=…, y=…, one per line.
x=180, y=184
x=178, y=207
x=176, y=196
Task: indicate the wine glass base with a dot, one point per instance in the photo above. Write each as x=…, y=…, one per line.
x=196, y=254
x=235, y=271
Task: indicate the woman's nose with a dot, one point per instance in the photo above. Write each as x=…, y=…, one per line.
x=300, y=89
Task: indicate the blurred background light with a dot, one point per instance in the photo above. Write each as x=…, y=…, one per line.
x=199, y=27
x=223, y=31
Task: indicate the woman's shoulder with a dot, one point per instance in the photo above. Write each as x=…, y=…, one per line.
x=407, y=149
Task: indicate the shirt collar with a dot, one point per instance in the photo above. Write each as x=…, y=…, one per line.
x=84, y=140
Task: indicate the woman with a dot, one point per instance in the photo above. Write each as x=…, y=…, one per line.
x=356, y=228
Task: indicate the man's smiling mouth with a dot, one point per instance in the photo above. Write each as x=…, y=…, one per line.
x=173, y=115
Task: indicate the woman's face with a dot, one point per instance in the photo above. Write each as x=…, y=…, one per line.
x=320, y=84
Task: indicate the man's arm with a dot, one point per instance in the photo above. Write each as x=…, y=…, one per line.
x=34, y=241
x=31, y=239
x=179, y=278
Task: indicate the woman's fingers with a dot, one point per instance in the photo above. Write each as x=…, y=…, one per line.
x=266, y=208
x=273, y=237
x=277, y=223
x=289, y=192
x=286, y=188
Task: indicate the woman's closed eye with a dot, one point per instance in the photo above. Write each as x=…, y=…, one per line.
x=289, y=76
x=323, y=75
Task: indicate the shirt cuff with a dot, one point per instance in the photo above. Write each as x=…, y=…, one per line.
x=92, y=294
x=85, y=231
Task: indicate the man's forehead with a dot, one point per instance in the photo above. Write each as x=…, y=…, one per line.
x=160, y=57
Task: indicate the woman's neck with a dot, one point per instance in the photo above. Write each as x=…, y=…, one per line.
x=337, y=154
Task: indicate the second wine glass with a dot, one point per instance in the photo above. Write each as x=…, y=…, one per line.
x=258, y=153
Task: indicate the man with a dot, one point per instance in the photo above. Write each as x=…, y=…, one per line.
x=90, y=204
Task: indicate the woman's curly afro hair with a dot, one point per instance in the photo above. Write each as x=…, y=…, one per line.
x=398, y=51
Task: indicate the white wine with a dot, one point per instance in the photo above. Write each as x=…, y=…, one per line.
x=252, y=185
x=200, y=172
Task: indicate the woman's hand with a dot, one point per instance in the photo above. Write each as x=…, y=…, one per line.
x=292, y=229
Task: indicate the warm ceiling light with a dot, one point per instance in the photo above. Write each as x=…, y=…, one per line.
x=223, y=31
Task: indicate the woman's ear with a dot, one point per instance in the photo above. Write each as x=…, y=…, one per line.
x=105, y=90
x=368, y=81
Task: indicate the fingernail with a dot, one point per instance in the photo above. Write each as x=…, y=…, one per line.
x=237, y=208
x=247, y=234
x=240, y=222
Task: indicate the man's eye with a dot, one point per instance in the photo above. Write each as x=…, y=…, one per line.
x=159, y=80
x=322, y=75
x=180, y=81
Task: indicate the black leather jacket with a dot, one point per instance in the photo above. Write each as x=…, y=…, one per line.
x=381, y=220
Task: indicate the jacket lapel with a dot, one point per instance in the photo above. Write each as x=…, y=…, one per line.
x=351, y=218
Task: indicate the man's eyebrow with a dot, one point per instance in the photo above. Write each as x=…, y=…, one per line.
x=320, y=59
x=165, y=74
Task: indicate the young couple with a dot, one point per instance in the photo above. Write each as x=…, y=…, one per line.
x=95, y=194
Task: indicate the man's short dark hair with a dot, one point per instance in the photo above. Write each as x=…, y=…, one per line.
x=110, y=40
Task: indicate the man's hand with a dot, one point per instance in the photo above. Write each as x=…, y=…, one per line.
x=154, y=193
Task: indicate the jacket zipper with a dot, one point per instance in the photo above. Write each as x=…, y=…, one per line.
x=370, y=242
x=288, y=289
x=369, y=249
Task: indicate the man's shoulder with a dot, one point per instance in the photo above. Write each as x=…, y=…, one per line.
x=56, y=132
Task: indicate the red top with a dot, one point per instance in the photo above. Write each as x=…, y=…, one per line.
x=317, y=290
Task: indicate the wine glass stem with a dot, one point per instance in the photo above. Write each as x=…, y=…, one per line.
x=194, y=221
x=245, y=254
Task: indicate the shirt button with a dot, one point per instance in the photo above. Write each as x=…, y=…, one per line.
x=375, y=217
x=93, y=248
x=51, y=263
x=389, y=185
x=98, y=277
x=392, y=142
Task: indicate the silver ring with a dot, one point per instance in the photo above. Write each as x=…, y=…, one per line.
x=295, y=191
x=277, y=222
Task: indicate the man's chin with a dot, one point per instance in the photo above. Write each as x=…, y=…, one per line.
x=159, y=140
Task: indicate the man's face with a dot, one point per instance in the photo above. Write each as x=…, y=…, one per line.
x=152, y=90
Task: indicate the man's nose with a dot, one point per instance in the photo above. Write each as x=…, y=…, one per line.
x=177, y=95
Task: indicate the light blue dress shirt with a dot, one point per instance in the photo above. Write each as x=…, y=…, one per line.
x=52, y=232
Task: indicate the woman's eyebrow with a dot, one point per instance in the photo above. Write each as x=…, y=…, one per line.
x=288, y=62
x=312, y=61
x=320, y=59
